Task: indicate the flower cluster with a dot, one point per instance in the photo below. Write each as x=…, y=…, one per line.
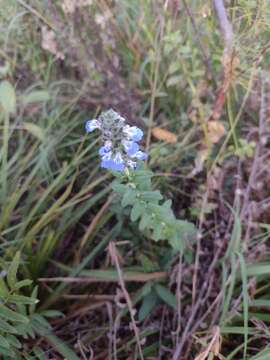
x=120, y=148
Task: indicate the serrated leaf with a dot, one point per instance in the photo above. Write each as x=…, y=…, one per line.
x=151, y=195
x=186, y=228
x=11, y=315
x=12, y=271
x=129, y=198
x=177, y=242
x=166, y=295
x=157, y=233
x=35, y=130
x=137, y=210
x=119, y=188
x=7, y=97
x=145, y=221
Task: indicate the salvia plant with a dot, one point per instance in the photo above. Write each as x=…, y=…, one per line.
x=120, y=153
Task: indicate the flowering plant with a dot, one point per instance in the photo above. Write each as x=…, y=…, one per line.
x=120, y=152
x=120, y=148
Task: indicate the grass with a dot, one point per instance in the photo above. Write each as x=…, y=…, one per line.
x=161, y=65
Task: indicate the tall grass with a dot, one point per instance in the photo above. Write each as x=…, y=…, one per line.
x=158, y=63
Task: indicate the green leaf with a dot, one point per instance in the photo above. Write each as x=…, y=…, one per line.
x=177, y=242
x=263, y=355
x=137, y=210
x=4, y=343
x=7, y=352
x=129, y=198
x=165, y=294
x=148, y=264
x=11, y=315
x=52, y=313
x=12, y=271
x=34, y=293
x=146, y=289
x=7, y=97
x=145, y=221
x=20, y=299
x=6, y=327
x=3, y=288
x=157, y=233
x=36, y=96
x=22, y=283
x=39, y=353
x=40, y=323
x=258, y=269
x=260, y=303
x=149, y=302
x=245, y=300
x=14, y=341
x=119, y=188
x=61, y=347
x=151, y=195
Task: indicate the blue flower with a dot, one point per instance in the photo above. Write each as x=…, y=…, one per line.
x=118, y=163
x=133, y=132
x=91, y=125
x=113, y=163
x=130, y=147
x=105, y=149
x=106, y=161
x=140, y=155
x=120, y=149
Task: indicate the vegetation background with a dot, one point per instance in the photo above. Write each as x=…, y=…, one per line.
x=195, y=75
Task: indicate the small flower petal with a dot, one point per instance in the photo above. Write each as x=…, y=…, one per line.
x=140, y=155
x=132, y=164
x=91, y=125
x=130, y=147
x=106, y=164
x=106, y=148
x=133, y=132
x=118, y=163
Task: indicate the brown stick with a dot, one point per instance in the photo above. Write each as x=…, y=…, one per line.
x=228, y=55
x=114, y=257
x=225, y=26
